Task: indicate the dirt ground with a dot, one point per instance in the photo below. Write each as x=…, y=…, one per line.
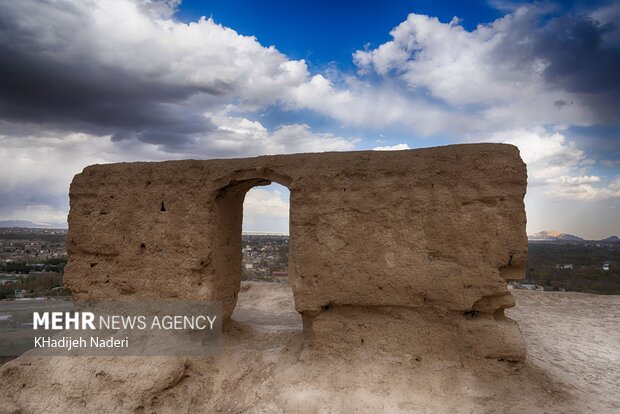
x=573, y=366
x=575, y=339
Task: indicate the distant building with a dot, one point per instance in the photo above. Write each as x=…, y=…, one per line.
x=605, y=267
x=564, y=266
x=279, y=277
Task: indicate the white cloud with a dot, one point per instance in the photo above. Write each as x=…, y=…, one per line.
x=584, y=191
x=556, y=165
x=266, y=209
x=453, y=64
x=491, y=71
x=128, y=35
x=208, y=66
x=233, y=72
x=240, y=136
x=431, y=78
x=396, y=147
x=259, y=202
x=548, y=155
x=482, y=86
x=571, y=181
x=369, y=105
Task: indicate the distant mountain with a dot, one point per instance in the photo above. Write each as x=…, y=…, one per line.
x=611, y=239
x=31, y=225
x=551, y=235
x=556, y=236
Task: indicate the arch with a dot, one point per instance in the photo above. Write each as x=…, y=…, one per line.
x=228, y=200
x=259, y=174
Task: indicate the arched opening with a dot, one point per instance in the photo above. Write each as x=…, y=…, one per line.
x=253, y=255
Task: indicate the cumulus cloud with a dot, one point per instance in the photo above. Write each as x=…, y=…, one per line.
x=266, y=203
x=122, y=80
x=548, y=154
x=266, y=210
x=576, y=188
x=520, y=69
x=129, y=69
x=552, y=162
x=360, y=103
x=126, y=68
x=251, y=138
x=396, y=147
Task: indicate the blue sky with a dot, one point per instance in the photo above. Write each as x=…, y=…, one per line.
x=324, y=31
x=124, y=80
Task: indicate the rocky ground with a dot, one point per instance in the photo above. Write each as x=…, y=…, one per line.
x=573, y=366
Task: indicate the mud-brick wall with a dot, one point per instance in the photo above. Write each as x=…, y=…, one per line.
x=439, y=228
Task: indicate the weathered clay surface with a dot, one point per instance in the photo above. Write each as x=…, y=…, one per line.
x=265, y=367
x=426, y=235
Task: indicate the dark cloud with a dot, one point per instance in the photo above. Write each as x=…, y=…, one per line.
x=16, y=200
x=560, y=103
x=13, y=202
x=73, y=93
x=579, y=61
x=578, y=55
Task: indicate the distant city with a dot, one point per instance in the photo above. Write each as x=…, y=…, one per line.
x=265, y=257
x=32, y=261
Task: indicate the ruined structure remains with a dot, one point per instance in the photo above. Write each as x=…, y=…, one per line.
x=406, y=251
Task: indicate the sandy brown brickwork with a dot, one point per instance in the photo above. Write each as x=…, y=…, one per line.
x=423, y=240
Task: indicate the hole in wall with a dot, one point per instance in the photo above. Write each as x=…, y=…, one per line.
x=265, y=300
x=470, y=314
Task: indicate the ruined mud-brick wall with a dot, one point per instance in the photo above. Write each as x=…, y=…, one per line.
x=435, y=231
